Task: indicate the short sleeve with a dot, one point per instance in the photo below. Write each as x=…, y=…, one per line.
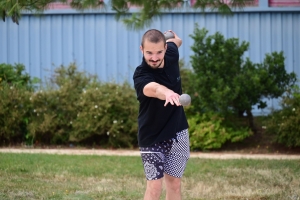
x=141, y=78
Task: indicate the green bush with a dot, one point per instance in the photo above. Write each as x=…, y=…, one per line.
x=185, y=74
x=226, y=83
x=15, y=88
x=13, y=112
x=210, y=131
x=108, y=110
x=15, y=75
x=75, y=107
x=54, y=105
x=285, y=123
x=188, y=80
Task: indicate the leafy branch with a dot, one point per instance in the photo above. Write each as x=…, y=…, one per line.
x=147, y=9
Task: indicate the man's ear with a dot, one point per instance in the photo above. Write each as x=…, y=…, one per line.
x=166, y=46
x=141, y=48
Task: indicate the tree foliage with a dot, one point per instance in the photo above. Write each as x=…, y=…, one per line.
x=147, y=9
x=226, y=82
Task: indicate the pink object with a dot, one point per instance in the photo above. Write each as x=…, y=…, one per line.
x=283, y=3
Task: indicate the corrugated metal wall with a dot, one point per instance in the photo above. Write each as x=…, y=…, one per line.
x=101, y=45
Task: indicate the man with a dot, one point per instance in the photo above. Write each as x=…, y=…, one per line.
x=163, y=135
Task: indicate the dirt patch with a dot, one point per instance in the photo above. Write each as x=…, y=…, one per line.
x=135, y=152
x=258, y=143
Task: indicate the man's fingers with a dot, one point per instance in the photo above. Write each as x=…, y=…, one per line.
x=176, y=101
x=173, y=101
x=166, y=103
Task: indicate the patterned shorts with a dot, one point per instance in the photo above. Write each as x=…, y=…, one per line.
x=169, y=157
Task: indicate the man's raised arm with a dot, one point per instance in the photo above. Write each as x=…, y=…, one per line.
x=176, y=39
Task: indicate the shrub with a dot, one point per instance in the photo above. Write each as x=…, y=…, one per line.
x=76, y=107
x=226, y=83
x=211, y=131
x=188, y=80
x=185, y=74
x=15, y=88
x=15, y=75
x=285, y=122
x=54, y=105
x=108, y=110
x=13, y=112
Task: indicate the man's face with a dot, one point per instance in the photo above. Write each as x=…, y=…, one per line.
x=154, y=53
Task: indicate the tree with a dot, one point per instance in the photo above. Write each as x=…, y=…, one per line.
x=148, y=8
x=227, y=83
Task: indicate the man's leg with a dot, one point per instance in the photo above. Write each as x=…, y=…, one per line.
x=153, y=190
x=173, y=187
x=153, y=161
x=175, y=164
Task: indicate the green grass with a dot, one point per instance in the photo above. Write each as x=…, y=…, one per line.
x=43, y=176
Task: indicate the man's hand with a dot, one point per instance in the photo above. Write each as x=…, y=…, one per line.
x=172, y=98
x=176, y=39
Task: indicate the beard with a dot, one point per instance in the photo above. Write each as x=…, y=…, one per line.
x=154, y=65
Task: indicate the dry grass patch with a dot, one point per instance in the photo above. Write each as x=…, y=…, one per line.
x=237, y=180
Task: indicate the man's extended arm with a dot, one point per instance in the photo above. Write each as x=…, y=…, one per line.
x=161, y=92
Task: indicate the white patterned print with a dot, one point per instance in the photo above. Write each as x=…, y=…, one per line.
x=152, y=160
x=150, y=170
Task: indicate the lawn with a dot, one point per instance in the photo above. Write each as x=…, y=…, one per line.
x=43, y=176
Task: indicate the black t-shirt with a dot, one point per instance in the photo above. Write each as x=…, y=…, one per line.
x=157, y=122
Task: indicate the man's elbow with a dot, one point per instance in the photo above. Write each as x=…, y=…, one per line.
x=179, y=43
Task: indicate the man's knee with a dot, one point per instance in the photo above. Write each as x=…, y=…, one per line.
x=173, y=183
x=154, y=188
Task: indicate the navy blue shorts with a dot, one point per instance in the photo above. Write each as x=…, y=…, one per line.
x=168, y=157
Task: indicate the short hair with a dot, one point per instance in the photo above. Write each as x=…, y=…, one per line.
x=154, y=36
